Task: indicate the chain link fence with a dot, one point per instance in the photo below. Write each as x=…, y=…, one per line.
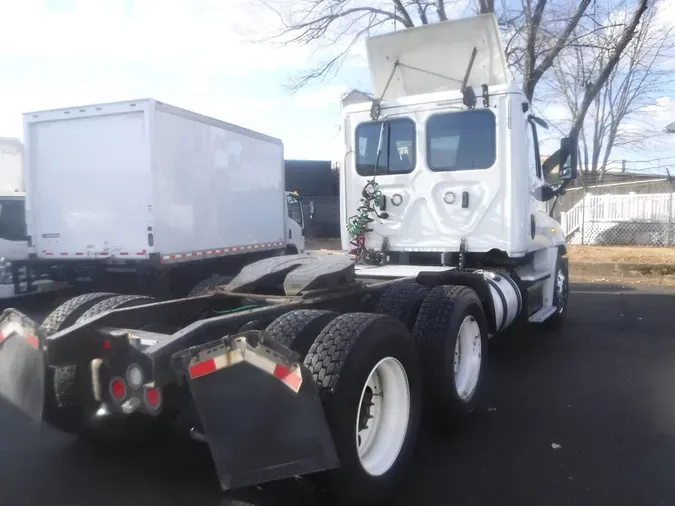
x=619, y=212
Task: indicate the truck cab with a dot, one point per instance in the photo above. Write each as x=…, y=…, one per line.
x=454, y=168
x=443, y=167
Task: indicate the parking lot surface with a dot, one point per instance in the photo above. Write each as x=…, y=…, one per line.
x=585, y=416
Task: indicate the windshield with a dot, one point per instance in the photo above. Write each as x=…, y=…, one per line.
x=462, y=140
x=12, y=219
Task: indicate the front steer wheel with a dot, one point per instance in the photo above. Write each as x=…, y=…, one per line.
x=367, y=370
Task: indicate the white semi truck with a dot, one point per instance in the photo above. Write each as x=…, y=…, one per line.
x=319, y=365
x=141, y=197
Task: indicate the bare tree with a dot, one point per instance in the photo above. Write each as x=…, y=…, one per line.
x=537, y=32
x=632, y=86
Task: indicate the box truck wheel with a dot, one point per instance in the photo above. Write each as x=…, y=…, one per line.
x=451, y=334
x=209, y=283
x=367, y=369
x=402, y=301
x=561, y=291
x=298, y=329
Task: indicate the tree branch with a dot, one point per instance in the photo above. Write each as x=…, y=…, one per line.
x=440, y=9
x=406, y=19
x=533, y=77
x=596, y=86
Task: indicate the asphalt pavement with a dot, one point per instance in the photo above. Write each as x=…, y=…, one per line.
x=585, y=416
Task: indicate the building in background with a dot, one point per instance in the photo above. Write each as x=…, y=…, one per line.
x=317, y=183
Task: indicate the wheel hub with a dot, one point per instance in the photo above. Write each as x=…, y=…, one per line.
x=468, y=357
x=382, y=417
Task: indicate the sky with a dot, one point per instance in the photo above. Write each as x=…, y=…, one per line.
x=200, y=55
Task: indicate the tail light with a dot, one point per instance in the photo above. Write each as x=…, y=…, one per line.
x=118, y=389
x=153, y=399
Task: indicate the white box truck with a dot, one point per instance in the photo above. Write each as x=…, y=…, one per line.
x=143, y=197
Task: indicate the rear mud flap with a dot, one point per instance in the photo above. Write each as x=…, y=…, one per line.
x=22, y=364
x=260, y=425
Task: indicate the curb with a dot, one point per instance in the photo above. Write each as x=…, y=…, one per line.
x=622, y=269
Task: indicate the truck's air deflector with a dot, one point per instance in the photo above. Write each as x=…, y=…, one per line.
x=435, y=57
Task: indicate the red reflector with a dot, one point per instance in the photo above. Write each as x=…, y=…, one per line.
x=202, y=368
x=118, y=389
x=288, y=377
x=106, y=344
x=33, y=341
x=152, y=397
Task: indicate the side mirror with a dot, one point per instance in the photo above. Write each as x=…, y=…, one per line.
x=568, y=159
x=544, y=193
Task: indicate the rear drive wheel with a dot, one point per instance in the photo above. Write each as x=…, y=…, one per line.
x=402, y=301
x=451, y=333
x=298, y=329
x=367, y=369
x=65, y=378
x=72, y=387
x=67, y=313
x=60, y=382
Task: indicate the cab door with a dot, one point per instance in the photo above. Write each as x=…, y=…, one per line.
x=295, y=222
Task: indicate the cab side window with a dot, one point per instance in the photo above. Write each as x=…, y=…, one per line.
x=533, y=159
x=294, y=209
x=12, y=220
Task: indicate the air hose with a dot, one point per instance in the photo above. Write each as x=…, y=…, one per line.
x=357, y=225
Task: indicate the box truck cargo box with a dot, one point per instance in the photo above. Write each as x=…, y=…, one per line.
x=143, y=179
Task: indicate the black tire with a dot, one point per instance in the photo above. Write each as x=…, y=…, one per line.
x=436, y=332
x=60, y=382
x=341, y=360
x=298, y=329
x=117, y=302
x=403, y=302
x=204, y=286
x=558, y=319
x=65, y=378
x=110, y=432
x=67, y=313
